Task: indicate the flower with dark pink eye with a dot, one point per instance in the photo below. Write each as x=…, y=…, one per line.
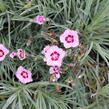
x=54, y=56
x=55, y=70
x=24, y=75
x=70, y=38
x=3, y=52
x=21, y=54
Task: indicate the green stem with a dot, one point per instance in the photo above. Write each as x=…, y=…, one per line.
x=89, y=106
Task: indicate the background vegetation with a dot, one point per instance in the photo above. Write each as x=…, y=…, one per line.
x=86, y=66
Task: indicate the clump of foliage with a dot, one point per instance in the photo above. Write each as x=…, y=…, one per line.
x=84, y=83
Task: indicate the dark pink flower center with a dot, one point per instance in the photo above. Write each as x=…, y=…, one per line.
x=21, y=54
x=1, y=53
x=70, y=39
x=56, y=69
x=55, y=56
x=13, y=54
x=24, y=74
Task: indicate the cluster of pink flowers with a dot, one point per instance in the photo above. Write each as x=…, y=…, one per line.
x=4, y=51
x=20, y=54
x=53, y=55
x=22, y=74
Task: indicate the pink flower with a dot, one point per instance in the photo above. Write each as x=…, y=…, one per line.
x=54, y=56
x=21, y=54
x=24, y=75
x=40, y=19
x=3, y=52
x=13, y=54
x=55, y=70
x=70, y=38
